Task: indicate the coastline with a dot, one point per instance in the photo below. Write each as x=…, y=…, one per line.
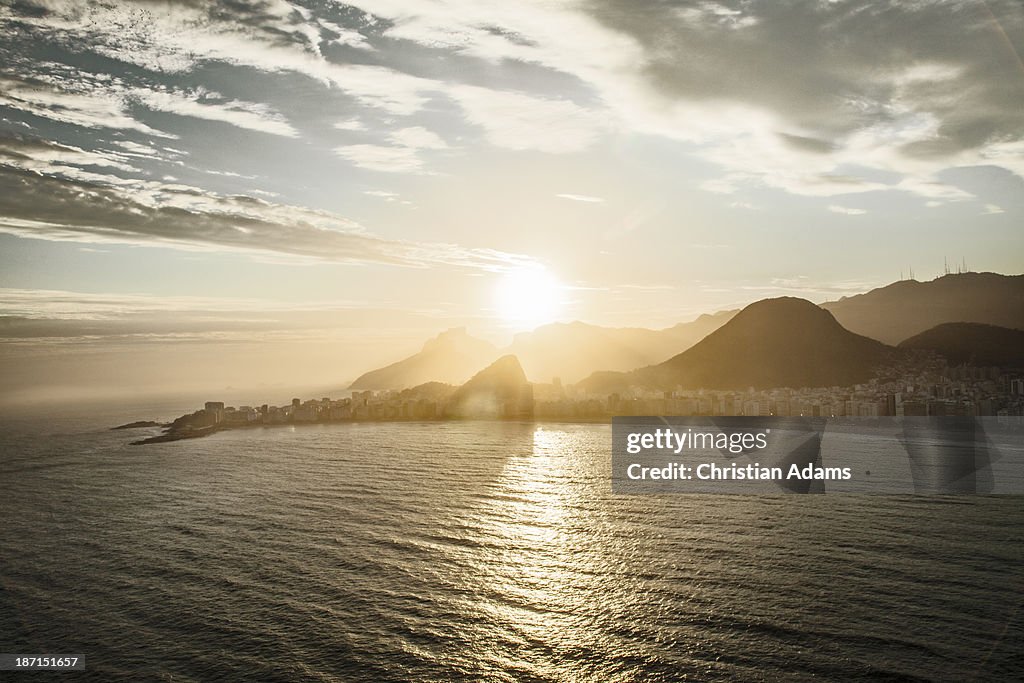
x=171, y=434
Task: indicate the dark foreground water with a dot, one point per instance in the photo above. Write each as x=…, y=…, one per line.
x=478, y=551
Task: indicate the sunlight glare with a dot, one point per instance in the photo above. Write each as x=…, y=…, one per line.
x=528, y=297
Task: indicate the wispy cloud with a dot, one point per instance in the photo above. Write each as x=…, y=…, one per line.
x=581, y=198
x=397, y=159
x=403, y=154
x=854, y=112
x=68, y=319
x=418, y=137
x=350, y=124
x=744, y=205
x=383, y=194
x=42, y=200
x=522, y=122
x=213, y=107
x=846, y=210
x=84, y=99
x=68, y=305
x=684, y=72
x=89, y=108
x=806, y=287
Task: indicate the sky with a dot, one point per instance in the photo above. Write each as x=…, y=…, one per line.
x=250, y=193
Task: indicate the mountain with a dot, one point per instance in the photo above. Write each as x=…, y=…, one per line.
x=571, y=351
x=785, y=342
x=434, y=391
x=906, y=308
x=499, y=390
x=451, y=357
x=972, y=343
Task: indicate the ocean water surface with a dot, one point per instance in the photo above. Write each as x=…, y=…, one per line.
x=477, y=551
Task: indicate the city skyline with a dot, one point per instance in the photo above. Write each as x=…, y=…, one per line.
x=308, y=187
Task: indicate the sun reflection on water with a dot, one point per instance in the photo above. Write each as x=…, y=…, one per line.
x=535, y=576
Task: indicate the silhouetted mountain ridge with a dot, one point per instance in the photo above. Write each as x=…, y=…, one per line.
x=500, y=390
x=784, y=342
x=569, y=351
x=451, y=358
x=900, y=310
x=972, y=343
x=604, y=355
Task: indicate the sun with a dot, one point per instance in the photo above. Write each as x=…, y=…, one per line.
x=528, y=297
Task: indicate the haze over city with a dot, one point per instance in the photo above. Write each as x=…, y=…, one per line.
x=199, y=196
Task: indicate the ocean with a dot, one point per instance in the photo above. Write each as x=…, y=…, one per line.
x=477, y=551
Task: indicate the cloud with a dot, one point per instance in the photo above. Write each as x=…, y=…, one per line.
x=350, y=124
x=74, y=320
x=67, y=305
x=383, y=194
x=86, y=107
x=910, y=89
x=82, y=98
x=945, y=94
x=824, y=99
x=805, y=287
x=581, y=198
x=521, y=122
x=249, y=115
x=139, y=150
x=273, y=36
x=61, y=201
x=991, y=209
x=382, y=158
x=176, y=37
x=403, y=156
x=934, y=189
x=835, y=208
x=343, y=36
x=418, y=137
